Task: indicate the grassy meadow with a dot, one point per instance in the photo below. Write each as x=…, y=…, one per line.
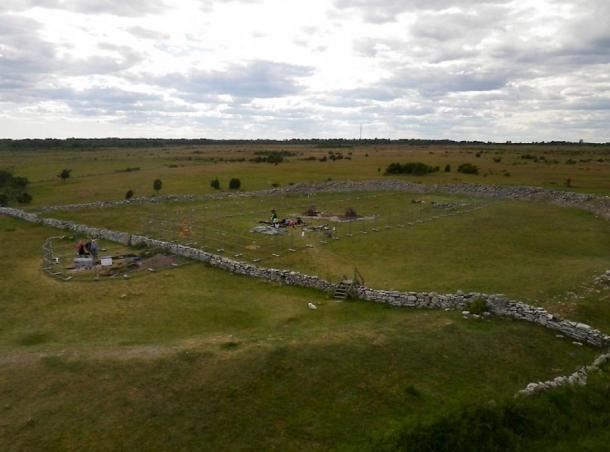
x=527, y=250
x=102, y=174
x=194, y=358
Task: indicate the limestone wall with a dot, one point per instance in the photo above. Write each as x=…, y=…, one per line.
x=599, y=205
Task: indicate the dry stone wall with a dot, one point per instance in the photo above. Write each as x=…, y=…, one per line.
x=599, y=205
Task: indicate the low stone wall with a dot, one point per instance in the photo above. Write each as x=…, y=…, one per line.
x=599, y=205
x=576, y=378
x=497, y=304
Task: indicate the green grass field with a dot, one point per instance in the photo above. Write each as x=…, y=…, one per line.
x=227, y=362
x=194, y=358
x=532, y=251
x=99, y=174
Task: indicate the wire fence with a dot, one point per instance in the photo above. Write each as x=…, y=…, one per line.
x=227, y=228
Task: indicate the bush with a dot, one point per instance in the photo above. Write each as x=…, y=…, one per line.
x=64, y=174
x=477, y=306
x=274, y=157
x=129, y=194
x=24, y=198
x=543, y=422
x=157, y=185
x=413, y=168
x=468, y=168
x=12, y=188
x=215, y=184
x=234, y=184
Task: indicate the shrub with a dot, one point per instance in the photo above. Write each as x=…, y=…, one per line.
x=275, y=185
x=497, y=159
x=274, y=157
x=129, y=194
x=568, y=182
x=571, y=162
x=468, y=168
x=24, y=198
x=414, y=168
x=12, y=188
x=477, y=306
x=157, y=185
x=215, y=184
x=234, y=184
x=64, y=174
x=447, y=168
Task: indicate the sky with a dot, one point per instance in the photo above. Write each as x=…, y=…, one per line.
x=526, y=70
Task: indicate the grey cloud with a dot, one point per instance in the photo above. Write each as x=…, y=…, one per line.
x=133, y=8
x=381, y=11
x=27, y=62
x=146, y=33
x=258, y=79
x=25, y=58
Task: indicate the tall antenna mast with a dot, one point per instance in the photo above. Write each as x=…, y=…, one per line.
x=360, y=131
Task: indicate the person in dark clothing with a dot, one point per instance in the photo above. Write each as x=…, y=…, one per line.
x=80, y=248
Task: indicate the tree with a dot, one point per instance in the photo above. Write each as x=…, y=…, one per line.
x=129, y=194
x=447, y=168
x=65, y=174
x=157, y=185
x=234, y=184
x=215, y=183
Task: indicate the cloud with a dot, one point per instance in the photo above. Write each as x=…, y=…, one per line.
x=24, y=57
x=257, y=79
x=132, y=8
x=147, y=33
x=382, y=11
x=463, y=69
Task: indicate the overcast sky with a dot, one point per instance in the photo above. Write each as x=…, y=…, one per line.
x=472, y=69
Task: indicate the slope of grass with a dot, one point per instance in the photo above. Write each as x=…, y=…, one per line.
x=195, y=358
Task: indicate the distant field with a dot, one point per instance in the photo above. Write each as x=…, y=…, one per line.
x=100, y=174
